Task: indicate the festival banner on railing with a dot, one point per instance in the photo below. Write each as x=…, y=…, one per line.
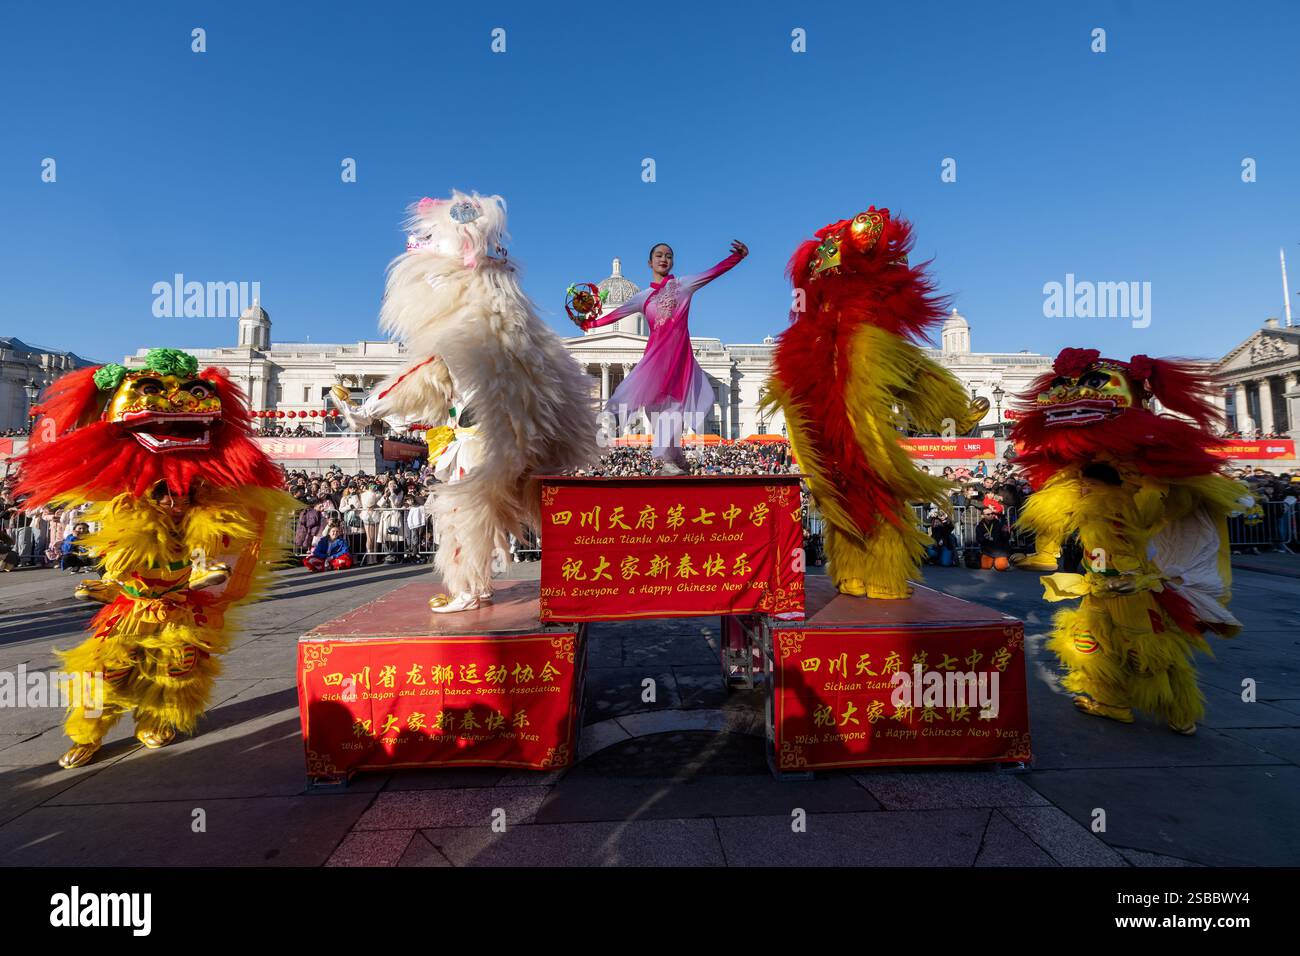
x=900, y=696
x=7, y=449
x=620, y=548
x=950, y=447
x=1263, y=449
x=502, y=701
x=288, y=449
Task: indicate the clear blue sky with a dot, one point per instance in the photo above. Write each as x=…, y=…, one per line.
x=224, y=166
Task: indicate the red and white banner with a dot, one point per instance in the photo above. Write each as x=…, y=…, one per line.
x=622, y=548
x=289, y=449
x=1263, y=449
x=7, y=449
x=950, y=447
x=496, y=701
x=959, y=697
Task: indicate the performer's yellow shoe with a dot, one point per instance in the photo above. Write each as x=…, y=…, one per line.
x=854, y=586
x=79, y=755
x=101, y=592
x=1097, y=709
x=881, y=592
x=211, y=576
x=153, y=739
x=1034, y=562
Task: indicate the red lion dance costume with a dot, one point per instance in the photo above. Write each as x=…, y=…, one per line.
x=1144, y=493
x=849, y=377
x=188, y=510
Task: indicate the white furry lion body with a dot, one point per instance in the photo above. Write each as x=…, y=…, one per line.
x=456, y=303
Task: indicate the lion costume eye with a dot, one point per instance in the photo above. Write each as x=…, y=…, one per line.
x=198, y=389
x=149, y=386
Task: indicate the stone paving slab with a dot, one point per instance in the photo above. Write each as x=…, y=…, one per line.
x=427, y=809
x=1219, y=816
x=587, y=799
x=919, y=838
x=938, y=790
x=638, y=843
x=268, y=831
x=372, y=848
x=1061, y=837
x=1005, y=844
x=615, y=691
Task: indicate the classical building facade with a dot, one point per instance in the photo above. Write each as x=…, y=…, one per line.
x=1259, y=379
x=297, y=376
x=22, y=365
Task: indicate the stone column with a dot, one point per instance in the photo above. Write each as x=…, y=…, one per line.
x=1241, y=410
x=1266, y=404
x=604, y=382
x=722, y=409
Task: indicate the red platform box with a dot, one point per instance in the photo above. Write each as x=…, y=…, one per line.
x=622, y=548
x=836, y=701
x=392, y=684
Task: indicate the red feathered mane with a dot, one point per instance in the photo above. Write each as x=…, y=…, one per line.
x=74, y=451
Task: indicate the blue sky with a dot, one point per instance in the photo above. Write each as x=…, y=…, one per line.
x=225, y=165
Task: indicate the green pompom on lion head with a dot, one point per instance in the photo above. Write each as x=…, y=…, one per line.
x=108, y=377
x=171, y=362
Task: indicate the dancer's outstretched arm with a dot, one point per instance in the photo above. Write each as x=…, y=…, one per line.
x=692, y=282
x=630, y=307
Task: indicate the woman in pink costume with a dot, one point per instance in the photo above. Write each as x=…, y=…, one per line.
x=668, y=383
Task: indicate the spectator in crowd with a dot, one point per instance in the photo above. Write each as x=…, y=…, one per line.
x=73, y=557
x=994, y=541
x=308, y=529
x=331, y=552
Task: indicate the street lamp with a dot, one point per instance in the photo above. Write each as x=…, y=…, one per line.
x=998, y=393
x=33, y=390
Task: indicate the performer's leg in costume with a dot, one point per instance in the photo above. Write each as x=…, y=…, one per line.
x=881, y=568
x=172, y=688
x=101, y=670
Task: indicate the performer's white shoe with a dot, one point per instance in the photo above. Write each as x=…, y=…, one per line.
x=464, y=601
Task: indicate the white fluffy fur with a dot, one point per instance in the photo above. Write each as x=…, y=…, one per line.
x=454, y=298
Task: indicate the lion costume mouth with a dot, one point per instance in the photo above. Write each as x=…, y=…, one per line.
x=1082, y=411
x=170, y=431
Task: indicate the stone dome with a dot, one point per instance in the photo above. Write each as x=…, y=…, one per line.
x=954, y=336
x=619, y=288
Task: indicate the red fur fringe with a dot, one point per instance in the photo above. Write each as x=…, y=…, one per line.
x=811, y=360
x=100, y=459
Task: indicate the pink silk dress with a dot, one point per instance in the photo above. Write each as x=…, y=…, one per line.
x=667, y=379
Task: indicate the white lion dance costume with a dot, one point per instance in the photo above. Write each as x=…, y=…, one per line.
x=454, y=299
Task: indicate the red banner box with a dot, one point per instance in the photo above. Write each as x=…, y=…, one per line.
x=401, y=450
x=387, y=686
x=1261, y=450
x=838, y=704
x=950, y=447
x=623, y=548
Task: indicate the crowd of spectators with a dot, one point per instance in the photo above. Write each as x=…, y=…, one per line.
x=738, y=458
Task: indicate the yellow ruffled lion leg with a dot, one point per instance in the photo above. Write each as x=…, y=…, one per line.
x=1047, y=553
x=1163, y=678
x=1085, y=642
x=893, y=556
x=846, y=562
x=173, y=693
x=98, y=672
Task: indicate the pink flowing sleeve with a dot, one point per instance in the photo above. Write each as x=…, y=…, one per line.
x=631, y=306
x=691, y=283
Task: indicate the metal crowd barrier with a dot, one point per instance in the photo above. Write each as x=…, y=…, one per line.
x=406, y=534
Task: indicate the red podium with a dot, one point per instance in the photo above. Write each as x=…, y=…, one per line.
x=624, y=548
x=392, y=684
x=929, y=680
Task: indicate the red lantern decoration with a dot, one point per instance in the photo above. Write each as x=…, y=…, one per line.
x=313, y=413
x=293, y=414
x=334, y=413
x=279, y=414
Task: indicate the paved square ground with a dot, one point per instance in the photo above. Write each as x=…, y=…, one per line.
x=681, y=780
